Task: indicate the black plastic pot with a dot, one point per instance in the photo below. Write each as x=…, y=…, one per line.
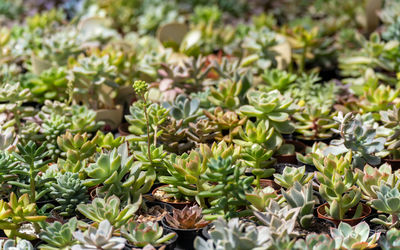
x=374, y=228
x=170, y=246
x=185, y=236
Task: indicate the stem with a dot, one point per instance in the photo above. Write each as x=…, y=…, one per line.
x=155, y=136
x=258, y=181
x=32, y=184
x=303, y=59
x=148, y=129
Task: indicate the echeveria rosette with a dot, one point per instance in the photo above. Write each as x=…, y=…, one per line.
x=388, y=201
x=357, y=137
x=357, y=237
x=272, y=107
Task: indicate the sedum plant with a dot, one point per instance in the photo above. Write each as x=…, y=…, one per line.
x=76, y=150
x=186, y=170
x=99, y=238
x=291, y=175
x=225, y=121
x=258, y=159
x=388, y=201
x=277, y=79
x=16, y=213
x=235, y=234
x=68, y=191
x=356, y=137
x=57, y=235
x=229, y=191
x=187, y=218
x=314, y=122
x=109, y=209
x=337, y=186
x=357, y=237
x=260, y=133
x=33, y=160
x=300, y=196
x=146, y=233
x=271, y=107
x=227, y=95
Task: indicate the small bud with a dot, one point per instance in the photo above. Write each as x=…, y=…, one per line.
x=140, y=87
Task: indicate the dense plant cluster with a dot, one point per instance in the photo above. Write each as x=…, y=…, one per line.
x=176, y=124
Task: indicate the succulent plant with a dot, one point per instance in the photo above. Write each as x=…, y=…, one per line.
x=357, y=237
x=76, y=150
x=95, y=76
x=16, y=213
x=50, y=84
x=227, y=94
x=203, y=131
x=112, y=168
x=258, y=159
x=187, y=218
x=259, y=133
x=371, y=177
x=52, y=127
x=57, y=235
x=291, y=175
x=32, y=158
x=235, y=234
x=277, y=79
x=271, y=107
x=317, y=148
x=146, y=233
x=375, y=55
x=388, y=201
x=186, y=170
x=314, y=122
x=83, y=119
x=226, y=121
x=110, y=210
x=137, y=119
x=392, y=239
x=377, y=99
x=280, y=221
x=12, y=96
x=302, y=197
x=108, y=141
x=174, y=137
x=20, y=245
x=337, y=186
x=229, y=191
x=391, y=121
x=260, y=198
x=358, y=138
x=69, y=192
x=315, y=242
x=183, y=109
x=99, y=238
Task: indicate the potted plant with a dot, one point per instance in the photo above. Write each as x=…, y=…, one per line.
x=187, y=223
x=336, y=185
x=148, y=233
